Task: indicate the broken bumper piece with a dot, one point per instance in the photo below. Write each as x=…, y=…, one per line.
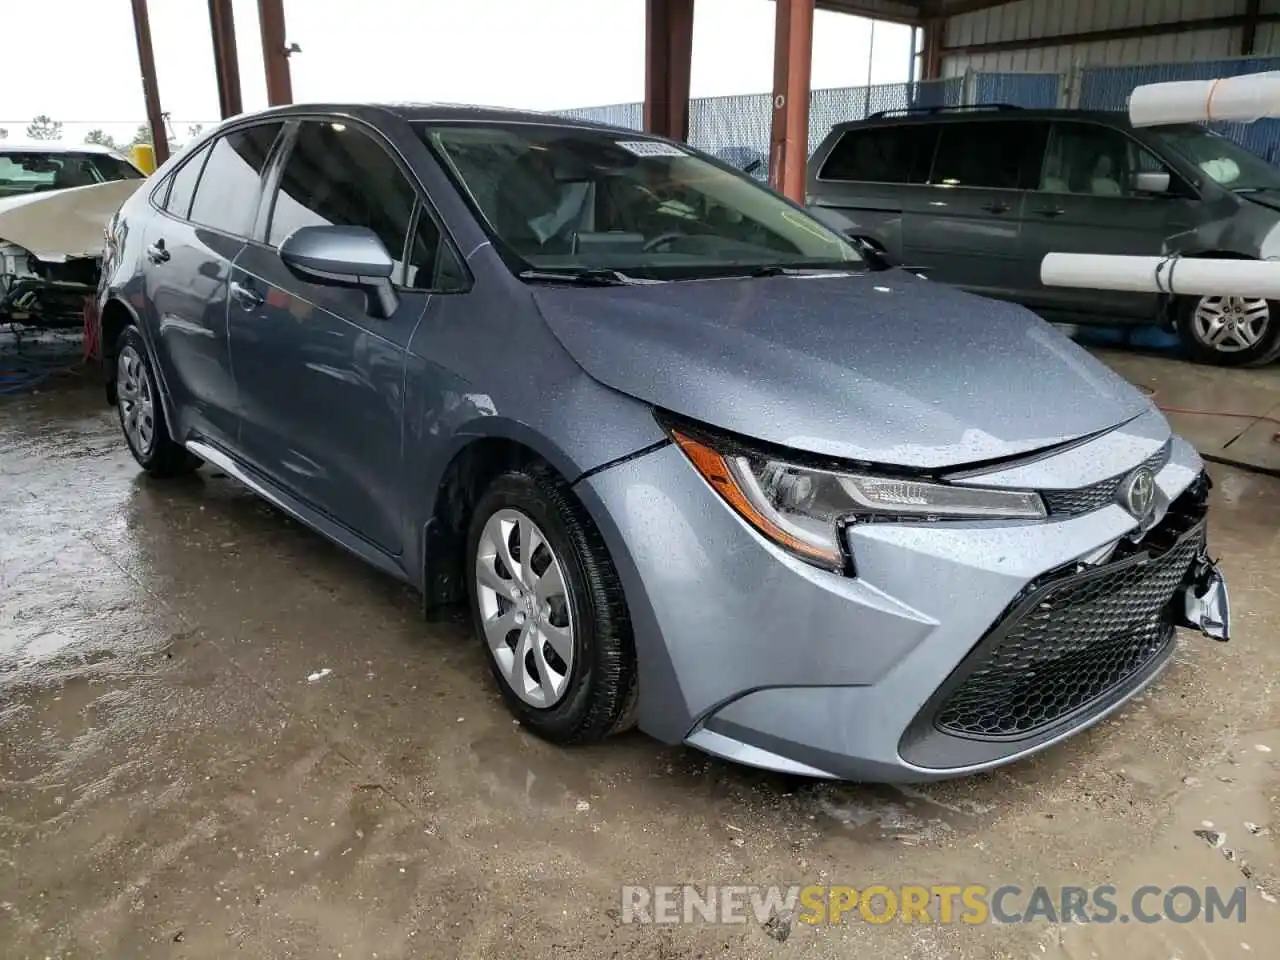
x=1203, y=604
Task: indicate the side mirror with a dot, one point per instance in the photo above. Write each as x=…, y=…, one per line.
x=1151, y=182
x=347, y=256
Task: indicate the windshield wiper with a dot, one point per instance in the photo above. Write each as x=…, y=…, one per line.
x=593, y=277
x=778, y=270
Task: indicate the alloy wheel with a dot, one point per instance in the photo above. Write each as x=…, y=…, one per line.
x=524, y=608
x=1231, y=324
x=136, y=400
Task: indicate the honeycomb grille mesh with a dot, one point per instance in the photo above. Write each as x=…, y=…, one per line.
x=1081, y=638
x=1072, y=503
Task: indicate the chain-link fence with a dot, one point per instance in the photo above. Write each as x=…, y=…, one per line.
x=737, y=128
x=1108, y=88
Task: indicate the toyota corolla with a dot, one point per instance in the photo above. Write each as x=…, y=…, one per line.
x=693, y=460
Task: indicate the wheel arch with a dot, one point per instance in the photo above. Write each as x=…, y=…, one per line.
x=117, y=314
x=476, y=458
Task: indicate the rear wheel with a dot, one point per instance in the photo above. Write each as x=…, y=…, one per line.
x=1229, y=331
x=549, y=609
x=141, y=413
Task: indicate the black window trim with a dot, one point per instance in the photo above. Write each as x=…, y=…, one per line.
x=1175, y=176
x=869, y=128
x=275, y=169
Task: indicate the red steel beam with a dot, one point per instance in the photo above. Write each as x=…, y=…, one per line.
x=1249, y=35
x=150, y=89
x=226, y=59
x=931, y=68
x=275, y=56
x=792, y=59
x=668, y=57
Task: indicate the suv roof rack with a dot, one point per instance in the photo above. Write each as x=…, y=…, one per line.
x=969, y=106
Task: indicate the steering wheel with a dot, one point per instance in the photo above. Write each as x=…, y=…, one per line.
x=660, y=239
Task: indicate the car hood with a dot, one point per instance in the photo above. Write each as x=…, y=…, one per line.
x=58, y=225
x=882, y=367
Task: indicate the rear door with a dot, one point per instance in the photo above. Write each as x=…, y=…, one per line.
x=870, y=177
x=1086, y=202
x=322, y=380
x=965, y=228
x=208, y=211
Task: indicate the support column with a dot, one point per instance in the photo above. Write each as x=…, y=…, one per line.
x=275, y=55
x=1249, y=35
x=931, y=68
x=668, y=55
x=792, y=58
x=150, y=90
x=226, y=59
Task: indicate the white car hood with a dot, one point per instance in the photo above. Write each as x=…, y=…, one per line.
x=58, y=225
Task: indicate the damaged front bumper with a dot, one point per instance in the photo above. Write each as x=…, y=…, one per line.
x=1202, y=603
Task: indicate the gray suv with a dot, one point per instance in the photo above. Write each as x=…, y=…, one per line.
x=979, y=195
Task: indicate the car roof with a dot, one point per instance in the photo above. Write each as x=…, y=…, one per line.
x=960, y=115
x=439, y=113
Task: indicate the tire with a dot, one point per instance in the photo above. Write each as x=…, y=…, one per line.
x=141, y=413
x=1258, y=331
x=575, y=699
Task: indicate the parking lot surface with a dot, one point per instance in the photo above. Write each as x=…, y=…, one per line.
x=221, y=736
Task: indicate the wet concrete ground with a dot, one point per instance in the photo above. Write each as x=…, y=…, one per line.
x=172, y=783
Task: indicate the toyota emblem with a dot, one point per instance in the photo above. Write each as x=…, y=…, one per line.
x=1138, y=492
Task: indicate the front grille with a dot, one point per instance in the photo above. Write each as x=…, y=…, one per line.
x=1069, y=643
x=1072, y=503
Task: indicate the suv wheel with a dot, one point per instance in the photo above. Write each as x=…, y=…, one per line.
x=1230, y=331
x=141, y=413
x=548, y=607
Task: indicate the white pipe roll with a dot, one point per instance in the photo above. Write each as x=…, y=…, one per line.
x=1181, y=275
x=1243, y=99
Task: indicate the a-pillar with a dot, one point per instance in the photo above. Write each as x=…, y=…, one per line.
x=792, y=58
x=668, y=55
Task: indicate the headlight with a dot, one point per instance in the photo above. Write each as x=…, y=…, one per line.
x=802, y=508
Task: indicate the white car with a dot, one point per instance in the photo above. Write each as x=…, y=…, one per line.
x=49, y=260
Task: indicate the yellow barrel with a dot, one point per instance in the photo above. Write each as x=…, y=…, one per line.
x=144, y=157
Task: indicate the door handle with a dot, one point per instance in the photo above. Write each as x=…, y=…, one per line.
x=156, y=253
x=1051, y=211
x=996, y=206
x=247, y=297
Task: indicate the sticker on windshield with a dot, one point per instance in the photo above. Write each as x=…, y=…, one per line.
x=651, y=148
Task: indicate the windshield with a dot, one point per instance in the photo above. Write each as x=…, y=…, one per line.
x=29, y=171
x=569, y=199
x=1222, y=160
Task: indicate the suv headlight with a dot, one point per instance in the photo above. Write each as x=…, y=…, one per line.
x=802, y=508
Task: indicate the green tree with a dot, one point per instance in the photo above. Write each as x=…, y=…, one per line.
x=43, y=128
x=100, y=138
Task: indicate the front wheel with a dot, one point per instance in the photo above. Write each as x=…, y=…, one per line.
x=1229, y=331
x=549, y=609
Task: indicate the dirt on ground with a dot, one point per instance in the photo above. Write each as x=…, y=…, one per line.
x=221, y=736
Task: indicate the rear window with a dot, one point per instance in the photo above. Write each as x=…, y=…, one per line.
x=28, y=171
x=900, y=154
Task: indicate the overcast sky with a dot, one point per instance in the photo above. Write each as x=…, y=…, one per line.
x=76, y=60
